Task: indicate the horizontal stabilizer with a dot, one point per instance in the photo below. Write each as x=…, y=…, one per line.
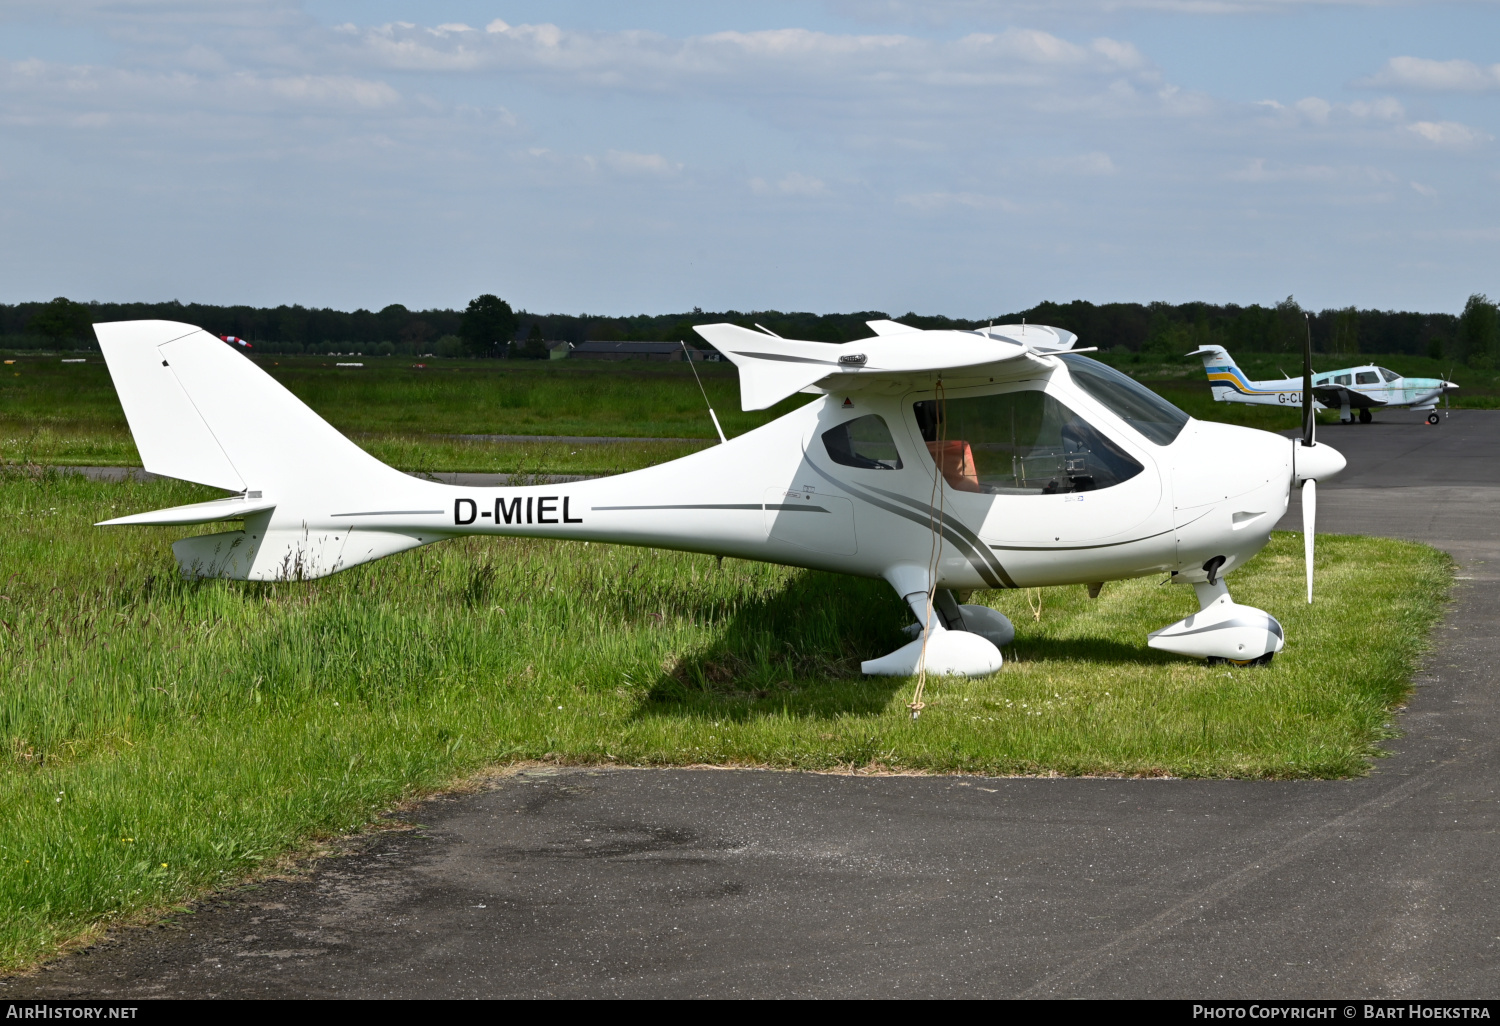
x=236, y=507
x=262, y=553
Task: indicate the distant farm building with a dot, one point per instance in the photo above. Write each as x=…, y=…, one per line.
x=659, y=351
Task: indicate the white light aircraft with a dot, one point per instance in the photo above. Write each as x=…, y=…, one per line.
x=1351, y=389
x=941, y=461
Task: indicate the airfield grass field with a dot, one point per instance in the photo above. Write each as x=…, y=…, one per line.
x=53, y=413
x=165, y=737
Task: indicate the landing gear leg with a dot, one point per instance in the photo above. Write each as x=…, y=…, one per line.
x=953, y=652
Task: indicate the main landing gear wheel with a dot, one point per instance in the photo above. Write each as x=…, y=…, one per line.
x=1365, y=416
x=1264, y=660
x=1434, y=419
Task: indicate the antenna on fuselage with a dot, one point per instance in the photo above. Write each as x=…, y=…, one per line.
x=711, y=415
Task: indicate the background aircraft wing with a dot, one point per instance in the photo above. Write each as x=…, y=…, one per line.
x=1333, y=396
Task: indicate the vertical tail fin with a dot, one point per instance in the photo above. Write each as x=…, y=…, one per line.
x=200, y=411
x=1224, y=375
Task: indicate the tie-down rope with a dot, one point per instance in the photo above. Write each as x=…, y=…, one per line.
x=935, y=503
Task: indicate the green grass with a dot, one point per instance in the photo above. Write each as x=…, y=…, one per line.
x=67, y=414
x=53, y=413
x=163, y=737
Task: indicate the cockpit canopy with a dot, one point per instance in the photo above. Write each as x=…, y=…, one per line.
x=1021, y=441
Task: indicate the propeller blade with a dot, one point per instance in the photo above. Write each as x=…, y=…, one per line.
x=1309, y=521
x=1309, y=417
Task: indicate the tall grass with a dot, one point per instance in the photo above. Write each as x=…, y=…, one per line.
x=163, y=736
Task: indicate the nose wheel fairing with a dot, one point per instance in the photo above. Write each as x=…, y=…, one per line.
x=1222, y=630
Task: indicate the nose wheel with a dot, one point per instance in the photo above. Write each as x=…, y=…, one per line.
x=1434, y=419
x=1264, y=660
x=1222, y=631
x=1365, y=416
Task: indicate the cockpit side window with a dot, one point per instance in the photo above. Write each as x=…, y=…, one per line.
x=1128, y=399
x=1389, y=375
x=1019, y=443
x=1366, y=378
x=865, y=442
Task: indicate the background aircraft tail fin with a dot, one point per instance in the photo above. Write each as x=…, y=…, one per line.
x=1224, y=375
x=200, y=411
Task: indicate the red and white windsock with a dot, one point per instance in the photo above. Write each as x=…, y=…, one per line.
x=232, y=340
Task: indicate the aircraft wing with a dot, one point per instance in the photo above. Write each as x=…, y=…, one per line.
x=773, y=368
x=1333, y=396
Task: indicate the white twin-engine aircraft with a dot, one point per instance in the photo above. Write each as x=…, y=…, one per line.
x=1352, y=390
x=941, y=461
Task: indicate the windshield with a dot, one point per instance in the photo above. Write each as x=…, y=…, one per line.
x=1128, y=399
x=1389, y=375
x=1019, y=443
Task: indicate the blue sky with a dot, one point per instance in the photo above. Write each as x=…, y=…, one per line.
x=966, y=157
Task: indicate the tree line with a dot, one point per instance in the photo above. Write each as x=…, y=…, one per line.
x=490, y=327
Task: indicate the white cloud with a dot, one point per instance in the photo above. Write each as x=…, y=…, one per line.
x=640, y=163
x=943, y=12
x=327, y=89
x=773, y=61
x=1316, y=110
x=1085, y=164
x=1423, y=190
x=1262, y=170
x=794, y=184
x=58, y=92
x=1448, y=133
x=1444, y=76
x=929, y=202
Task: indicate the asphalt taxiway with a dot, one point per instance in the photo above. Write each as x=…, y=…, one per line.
x=648, y=883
